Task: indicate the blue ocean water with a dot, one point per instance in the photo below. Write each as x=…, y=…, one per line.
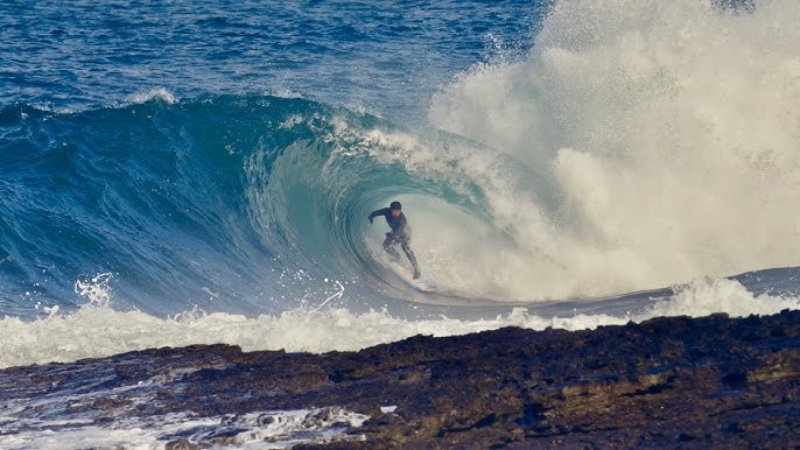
x=177, y=173
x=384, y=57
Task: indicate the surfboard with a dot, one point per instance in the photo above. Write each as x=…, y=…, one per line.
x=423, y=283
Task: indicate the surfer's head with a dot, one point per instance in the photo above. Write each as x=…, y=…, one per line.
x=395, y=206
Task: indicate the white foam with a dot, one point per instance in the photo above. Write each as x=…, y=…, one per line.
x=665, y=137
x=98, y=331
x=258, y=430
x=153, y=94
x=709, y=296
x=49, y=108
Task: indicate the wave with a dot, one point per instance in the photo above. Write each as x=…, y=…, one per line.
x=620, y=154
x=240, y=204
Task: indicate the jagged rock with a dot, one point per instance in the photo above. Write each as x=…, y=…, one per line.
x=668, y=382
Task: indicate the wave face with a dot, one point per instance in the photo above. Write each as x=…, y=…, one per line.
x=241, y=204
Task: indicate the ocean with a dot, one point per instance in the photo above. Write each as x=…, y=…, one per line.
x=178, y=173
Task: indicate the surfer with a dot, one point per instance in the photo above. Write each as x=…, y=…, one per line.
x=401, y=233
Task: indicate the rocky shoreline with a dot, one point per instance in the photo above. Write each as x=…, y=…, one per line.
x=668, y=382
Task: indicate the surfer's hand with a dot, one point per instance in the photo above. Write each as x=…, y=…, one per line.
x=370, y=219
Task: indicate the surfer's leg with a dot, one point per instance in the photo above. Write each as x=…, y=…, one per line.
x=388, y=246
x=411, y=257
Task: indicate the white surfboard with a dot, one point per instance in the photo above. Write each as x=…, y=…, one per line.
x=423, y=283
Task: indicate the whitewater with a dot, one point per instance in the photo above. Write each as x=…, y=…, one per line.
x=571, y=164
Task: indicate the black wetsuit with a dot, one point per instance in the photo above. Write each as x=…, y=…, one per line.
x=401, y=233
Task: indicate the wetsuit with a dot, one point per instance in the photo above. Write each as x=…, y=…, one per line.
x=401, y=233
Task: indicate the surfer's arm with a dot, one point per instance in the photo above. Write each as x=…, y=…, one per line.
x=378, y=212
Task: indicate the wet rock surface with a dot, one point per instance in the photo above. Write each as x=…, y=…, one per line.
x=668, y=382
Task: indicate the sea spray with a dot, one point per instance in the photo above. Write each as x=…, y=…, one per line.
x=664, y=135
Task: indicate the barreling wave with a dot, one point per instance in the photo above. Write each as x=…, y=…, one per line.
x=623, y=153
x=242, y=204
